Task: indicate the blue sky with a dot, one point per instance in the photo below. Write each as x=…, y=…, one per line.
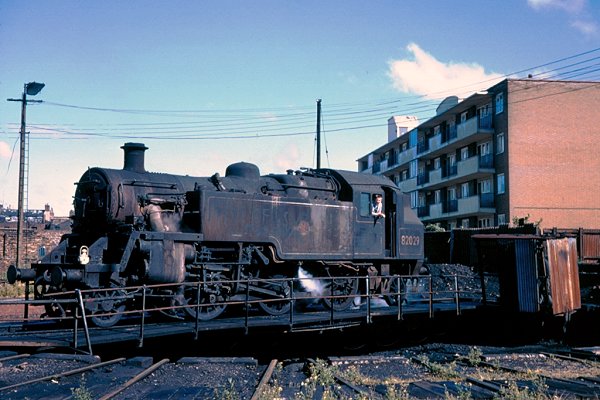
x=207, y=83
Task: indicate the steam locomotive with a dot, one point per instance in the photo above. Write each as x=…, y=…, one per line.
x=212, y=240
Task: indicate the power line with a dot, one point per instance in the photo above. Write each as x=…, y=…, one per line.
x=278, y=121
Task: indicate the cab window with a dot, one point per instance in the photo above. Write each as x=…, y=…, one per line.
x=365, y=204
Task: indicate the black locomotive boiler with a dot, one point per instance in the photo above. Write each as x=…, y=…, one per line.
x=201, y=242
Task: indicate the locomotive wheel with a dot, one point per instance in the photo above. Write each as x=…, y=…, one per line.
x=410, y=287
x=392, y=297
x=212, y=300
x=53, y=310
x=106, y=307
x=283, y=290
x=209, y=306
x=343, y=292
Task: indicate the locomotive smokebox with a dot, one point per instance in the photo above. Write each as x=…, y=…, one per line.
x=134, y=157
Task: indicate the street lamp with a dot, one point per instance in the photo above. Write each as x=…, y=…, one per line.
x=31, y=89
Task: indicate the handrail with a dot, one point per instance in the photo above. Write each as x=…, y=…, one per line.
x=408, y=289
x=84, y=319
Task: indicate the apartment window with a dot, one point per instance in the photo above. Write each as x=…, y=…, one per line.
x=404, y=146
x=500, y=143
x=464, y=153
x=421, y=200
x=451, y=225
x=485, y=110
x=463, y=117
x=464, y=190
x=485, y=116
x=405, y=175
x=485, y=186
x=484, y=222
x=451, y=193
x=500, y=181
x=452, y=159
x=484, y=148
x=413, y=199
x=437, y=197
x=437, y=163
x=499, y=103
x=465, y=223
x=501, y=219
x=436, y=130
x=413, y=168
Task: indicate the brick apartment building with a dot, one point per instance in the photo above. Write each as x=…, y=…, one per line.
x=525, y=148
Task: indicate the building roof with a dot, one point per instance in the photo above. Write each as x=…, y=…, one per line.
x=475, y=99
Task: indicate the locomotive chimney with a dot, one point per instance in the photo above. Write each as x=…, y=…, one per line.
x=134, y=156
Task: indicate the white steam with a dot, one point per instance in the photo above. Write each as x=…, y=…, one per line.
x=314, y=286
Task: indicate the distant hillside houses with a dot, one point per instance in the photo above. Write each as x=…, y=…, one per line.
x=34, y=216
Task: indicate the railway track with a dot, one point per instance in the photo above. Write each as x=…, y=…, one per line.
x=430, y=371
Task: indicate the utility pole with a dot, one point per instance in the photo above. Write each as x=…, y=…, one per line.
x=318, y=133
x=31, y=88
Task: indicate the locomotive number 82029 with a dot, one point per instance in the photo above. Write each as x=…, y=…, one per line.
x=410, y=240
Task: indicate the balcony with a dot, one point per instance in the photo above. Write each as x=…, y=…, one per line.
x=449, y=134
x=435, y=143
x=407, y=156
x=423, y=146
x=450, y=206
x=468, y=205
x=472, y=205
x=486, y=200
x=474, y=129
x=468, y=167
x=423, y=211
x=465, y=207
x=409, y=185
x=486, y=161
x=472, y=168
x=485, y=122
x=449, y=170
x=475, y=167
x=435, y=176
x=435, y=211
x=393, y=160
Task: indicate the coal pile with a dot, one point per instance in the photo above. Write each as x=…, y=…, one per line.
x=447, y=278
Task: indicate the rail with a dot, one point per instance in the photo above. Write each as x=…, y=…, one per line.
x=399, y=292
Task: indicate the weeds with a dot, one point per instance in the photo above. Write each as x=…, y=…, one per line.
x=474, y=356
x=273, y=389
x=81, y=392
x=12, y=291
x=321, y=375
x=228, y=392
x=395, y=392
x=442, y=371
